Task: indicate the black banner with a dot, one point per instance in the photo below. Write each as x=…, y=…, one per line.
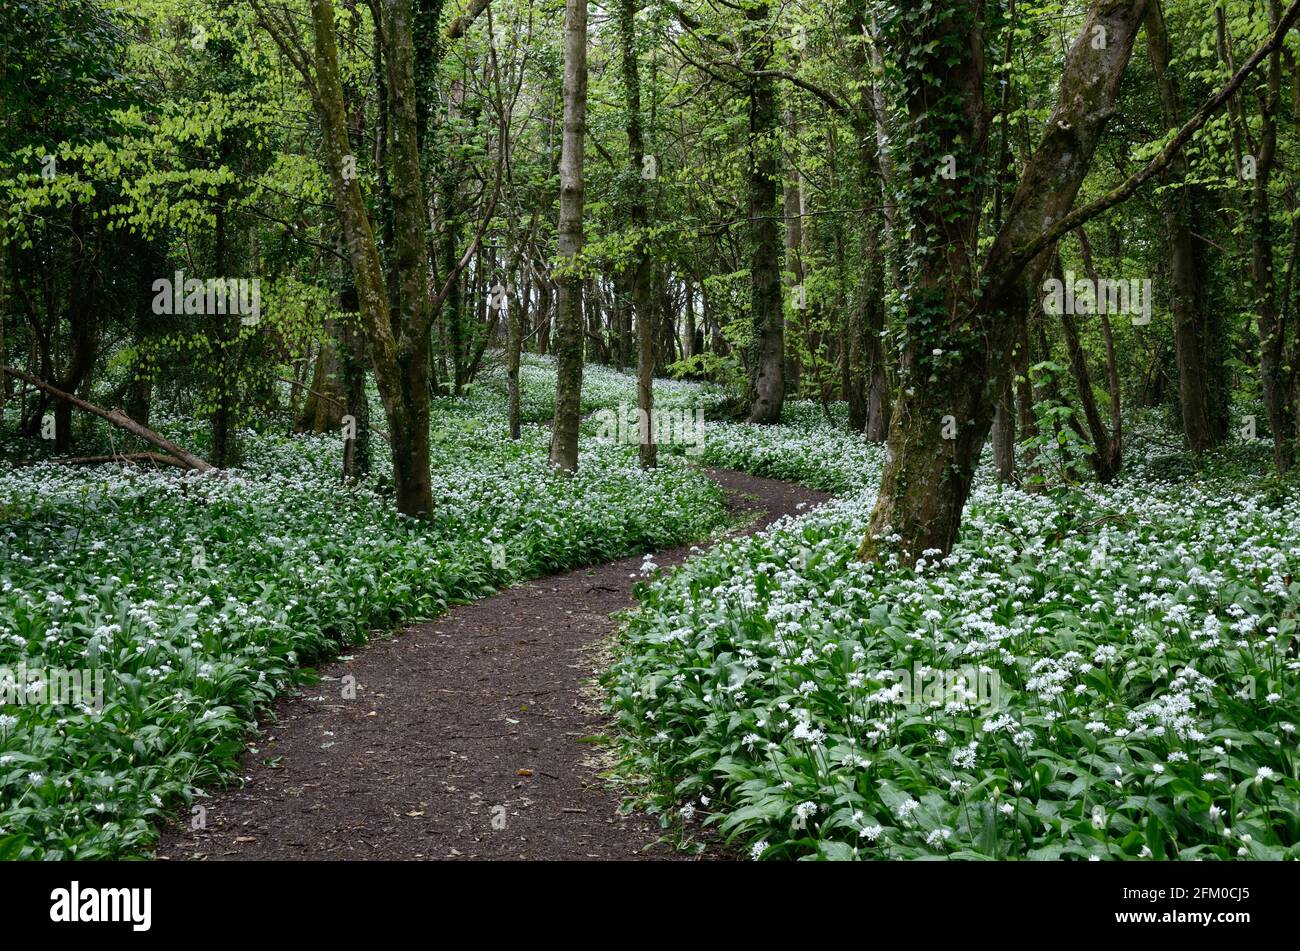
x=187, y=901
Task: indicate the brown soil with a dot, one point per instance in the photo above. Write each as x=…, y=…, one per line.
x=465, y=738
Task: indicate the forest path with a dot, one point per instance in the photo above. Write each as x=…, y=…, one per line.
x=483, y=708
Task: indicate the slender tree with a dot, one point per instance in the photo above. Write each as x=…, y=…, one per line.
x=767, y=356
x=639, y=165
x=1201, y=393
x=568, y=307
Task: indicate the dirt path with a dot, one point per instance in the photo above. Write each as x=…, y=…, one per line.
x=464, y=739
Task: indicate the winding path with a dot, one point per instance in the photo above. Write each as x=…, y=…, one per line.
x=465, y=737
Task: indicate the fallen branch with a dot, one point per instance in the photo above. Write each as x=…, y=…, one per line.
x=118, y=419
x=155, y=457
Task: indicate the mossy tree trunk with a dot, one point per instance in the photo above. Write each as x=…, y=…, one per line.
x=963, y=312
x=397, y=337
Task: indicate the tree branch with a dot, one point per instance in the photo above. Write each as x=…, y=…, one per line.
x=118, y=419
x=457, y=27
x=1080, y=216
x=825, y=95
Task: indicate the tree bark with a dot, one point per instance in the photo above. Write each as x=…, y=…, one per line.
x=569, y=321
x=767, y=356
x=961, y=332
x=1194, y=324
x=641, y=263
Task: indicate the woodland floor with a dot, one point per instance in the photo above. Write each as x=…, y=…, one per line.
x=486, y=707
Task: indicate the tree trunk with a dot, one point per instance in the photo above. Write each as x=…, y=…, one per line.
x=1193, y=330
x=514, y=346
x=1103, y=461
x=1109, y=446
x=1274, y=376
x=688, y=338
x=1026, y=421
x=352, y=369
x=641, y=263
x=325, y=415
x=545, y=310
x=4, y=346
x=870, y=403
x=568, y=317
x=767, y=358
x=962, y=318
x=399, y=350
x=1004, y=436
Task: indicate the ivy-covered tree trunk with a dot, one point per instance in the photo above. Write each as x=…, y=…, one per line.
x=767, y=356
x=961, y=316
x=568, y=307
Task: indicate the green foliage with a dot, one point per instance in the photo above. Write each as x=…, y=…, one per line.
x=1056, y=439
x=201, y=598
x=1138, y=640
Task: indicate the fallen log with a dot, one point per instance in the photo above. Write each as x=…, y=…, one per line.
x=118, y=419
x=155, y=457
